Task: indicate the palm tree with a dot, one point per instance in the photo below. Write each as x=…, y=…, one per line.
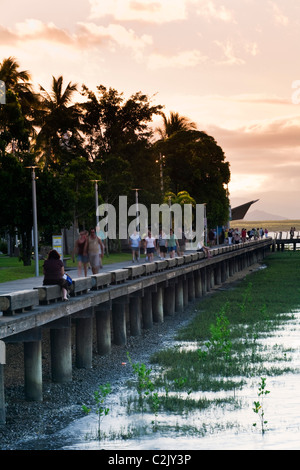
x=182, y=197
x=18, y=81
x=175, y=123
x=57, y=119
x=178, y=127
x=19, y=92
x=11, y=76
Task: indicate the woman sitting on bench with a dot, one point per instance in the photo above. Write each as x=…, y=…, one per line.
x=54, y=272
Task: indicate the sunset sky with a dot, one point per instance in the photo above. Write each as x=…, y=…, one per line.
x=231, y=66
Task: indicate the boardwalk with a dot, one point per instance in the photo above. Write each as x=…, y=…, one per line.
x=31, y=282
x=123, y=299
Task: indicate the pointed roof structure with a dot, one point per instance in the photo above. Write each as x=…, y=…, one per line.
x=239, y=212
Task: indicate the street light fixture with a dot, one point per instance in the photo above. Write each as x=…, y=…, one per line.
x=35, y=229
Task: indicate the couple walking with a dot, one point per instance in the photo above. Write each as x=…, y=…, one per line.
x=89, y=249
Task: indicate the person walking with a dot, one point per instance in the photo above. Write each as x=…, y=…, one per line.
x=95, y=250
x=162, y=244
x=150, y=246
x=135, y=243
x=80, y=250
x=181, y=242
x=172, y=244
x=53, y=269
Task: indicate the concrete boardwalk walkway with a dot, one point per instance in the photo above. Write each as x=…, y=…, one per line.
x=31, y=282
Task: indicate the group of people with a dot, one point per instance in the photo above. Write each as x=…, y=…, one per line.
x=232, y=236
x=162, y=245
x=89, y=249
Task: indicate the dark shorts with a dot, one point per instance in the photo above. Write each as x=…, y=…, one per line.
x=83, y=258
x=163, y=249
x=150, y=250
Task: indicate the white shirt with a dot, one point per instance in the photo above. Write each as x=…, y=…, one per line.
x=150, y=242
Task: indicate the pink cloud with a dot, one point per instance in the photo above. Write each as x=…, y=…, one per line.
x=269, y=135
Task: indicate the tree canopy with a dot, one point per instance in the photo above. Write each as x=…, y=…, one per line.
x=104, y=137
x=194, y=161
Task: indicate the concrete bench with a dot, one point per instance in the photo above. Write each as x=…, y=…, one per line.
x=161, y=265
x=18, y=302
x=187, y=258
x=180, y=260
x=80, y=286
x=195, y=256
x=136, y=271
x=99, y=281
x=172, y=263
x=150, y=268
x=119, y=275
x=48, y=294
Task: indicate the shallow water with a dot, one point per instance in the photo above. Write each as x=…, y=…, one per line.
x=216, y=428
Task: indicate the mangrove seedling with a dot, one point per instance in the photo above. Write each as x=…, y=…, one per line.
x=101, y=409
x=258, y=407
x=144, y=383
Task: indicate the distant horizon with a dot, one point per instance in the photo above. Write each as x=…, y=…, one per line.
x=267, y=220
x=263, y=215
x=271, y=225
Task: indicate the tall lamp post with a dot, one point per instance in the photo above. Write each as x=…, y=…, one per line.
x=205, y=225
x=137, y=208
x=35, y=228
x=161, y=163
x=96, y=200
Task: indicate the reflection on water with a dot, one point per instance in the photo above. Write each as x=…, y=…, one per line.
x=217, y=427
x=225, y=427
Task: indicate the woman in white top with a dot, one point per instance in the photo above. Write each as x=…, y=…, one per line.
x=150, y=245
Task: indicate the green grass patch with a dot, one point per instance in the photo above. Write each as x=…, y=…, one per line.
x=253, y=308
x=12, y=269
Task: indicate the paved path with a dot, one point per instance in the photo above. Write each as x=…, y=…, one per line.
x=31, y=282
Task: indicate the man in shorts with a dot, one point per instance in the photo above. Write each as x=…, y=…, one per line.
x=162, y=244
x=95, y=251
